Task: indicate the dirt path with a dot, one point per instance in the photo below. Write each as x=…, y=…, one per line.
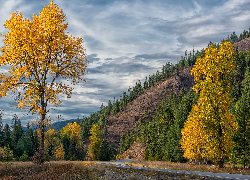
x=179, y=173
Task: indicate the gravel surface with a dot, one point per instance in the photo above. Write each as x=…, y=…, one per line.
x=119, y=170
x=132, y=174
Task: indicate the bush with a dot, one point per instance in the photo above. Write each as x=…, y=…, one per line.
x=6, y=154
x=47, y=157
x=24, y=157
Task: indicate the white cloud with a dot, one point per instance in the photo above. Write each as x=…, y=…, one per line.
x=128, y=40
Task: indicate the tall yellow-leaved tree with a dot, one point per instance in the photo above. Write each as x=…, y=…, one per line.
x=41, y=54
x=208, y=130
x=95, y=143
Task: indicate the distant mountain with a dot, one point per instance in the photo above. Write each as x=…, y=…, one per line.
x=59, y=125
x=56, y=125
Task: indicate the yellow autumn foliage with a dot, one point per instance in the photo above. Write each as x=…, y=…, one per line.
x=95, y=143
x=39, y=52
x=60, y=152
x=50, y=140
x=208, y=130
x=73, y=131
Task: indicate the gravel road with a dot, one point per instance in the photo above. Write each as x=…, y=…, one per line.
x=177, y=174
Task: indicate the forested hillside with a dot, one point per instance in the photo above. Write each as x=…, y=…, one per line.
x=151, y=114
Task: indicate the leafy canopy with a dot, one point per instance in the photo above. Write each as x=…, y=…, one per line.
x=40, y=52
x=209, y=128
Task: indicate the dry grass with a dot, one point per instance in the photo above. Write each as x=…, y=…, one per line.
x=191, y=167
x=51, y=170
x=90, y=170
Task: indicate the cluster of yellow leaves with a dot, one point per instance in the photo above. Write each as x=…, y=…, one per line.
x=95, y=142
x=60, y=152
x=50, y=139
x=73, y=131
x=208, y=131
x=39, y=52
x=192, y=136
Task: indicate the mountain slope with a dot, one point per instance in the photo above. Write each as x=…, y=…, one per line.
x=243, y=45
x=147, y=102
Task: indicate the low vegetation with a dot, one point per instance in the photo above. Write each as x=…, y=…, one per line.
x=50, y=170
x=90, y=170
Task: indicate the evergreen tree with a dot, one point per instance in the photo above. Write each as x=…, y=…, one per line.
x=104, y=153
x=36, y=142
x=17, y=132
x=29, y=142
x=112, y=151
x=173, y=150
x=1, y=130
x=122, y=144
x=25, y=144
x=145, y=84
x=66, y=146
x=7, y=141
x=21, y=147
x=242, y=137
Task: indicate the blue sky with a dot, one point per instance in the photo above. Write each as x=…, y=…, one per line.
x=128, y=40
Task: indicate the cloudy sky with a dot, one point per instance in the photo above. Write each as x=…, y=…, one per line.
x=127, y=40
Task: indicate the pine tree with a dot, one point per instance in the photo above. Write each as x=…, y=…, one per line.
x=36, y=142
x=17, y=133
x=1, y=130
x=7, y=141
x=104, y=153
x=122, y=144
x=173, y=150
x=242, y=137
x=29, y=142
x=20, y=147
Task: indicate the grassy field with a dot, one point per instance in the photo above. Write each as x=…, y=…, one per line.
x=89, y=170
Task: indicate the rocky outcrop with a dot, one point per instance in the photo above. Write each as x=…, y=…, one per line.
x=136, y=151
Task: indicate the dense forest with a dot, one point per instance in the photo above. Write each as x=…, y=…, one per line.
x=160, y=133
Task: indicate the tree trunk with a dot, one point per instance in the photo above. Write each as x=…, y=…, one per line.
x=221, y=163
x=42, y=128
x=42, y=139
x=222, y=151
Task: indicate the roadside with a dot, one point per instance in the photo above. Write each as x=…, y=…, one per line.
x=131, y=164
x=121, y=169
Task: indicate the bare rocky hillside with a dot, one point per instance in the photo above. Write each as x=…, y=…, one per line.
x=243, y=45
x=128, y=118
